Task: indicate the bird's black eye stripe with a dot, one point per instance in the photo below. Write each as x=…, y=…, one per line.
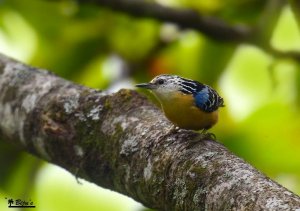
x=161, y=81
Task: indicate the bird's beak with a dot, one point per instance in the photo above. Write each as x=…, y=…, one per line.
x=146, y=85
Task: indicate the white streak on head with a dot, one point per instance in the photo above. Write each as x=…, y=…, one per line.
x=169, y=86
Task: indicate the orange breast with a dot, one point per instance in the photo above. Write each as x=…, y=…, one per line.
x=182, y=111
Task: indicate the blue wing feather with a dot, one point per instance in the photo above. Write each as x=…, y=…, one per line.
x=201, y=98
x=206, y=98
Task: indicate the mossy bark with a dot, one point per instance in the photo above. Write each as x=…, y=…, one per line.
x=123, y=142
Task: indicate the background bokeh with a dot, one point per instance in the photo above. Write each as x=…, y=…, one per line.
x=104, y=49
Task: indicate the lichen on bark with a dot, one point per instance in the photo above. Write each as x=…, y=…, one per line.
x=123, y=142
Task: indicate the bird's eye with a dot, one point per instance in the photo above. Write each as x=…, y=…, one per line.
x=161, y=81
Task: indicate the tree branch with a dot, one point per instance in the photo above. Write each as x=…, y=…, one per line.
x=124, y=143
x=213, y=27
x=185, y=18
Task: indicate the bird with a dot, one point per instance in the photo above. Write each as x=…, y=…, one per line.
x=187, y=103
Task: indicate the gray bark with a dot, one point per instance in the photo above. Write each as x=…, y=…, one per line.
x=123, y=142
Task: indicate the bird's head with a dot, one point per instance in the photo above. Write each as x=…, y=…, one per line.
x=163, y=85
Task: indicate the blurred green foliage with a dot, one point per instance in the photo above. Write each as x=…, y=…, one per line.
x=104, y=49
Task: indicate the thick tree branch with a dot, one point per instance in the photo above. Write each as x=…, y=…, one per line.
x=124, y=143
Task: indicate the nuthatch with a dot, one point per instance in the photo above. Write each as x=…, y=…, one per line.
x=188, y=104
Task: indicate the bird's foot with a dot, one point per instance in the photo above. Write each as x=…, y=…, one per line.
x=206, y=135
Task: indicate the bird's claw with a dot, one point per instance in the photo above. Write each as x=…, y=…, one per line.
x=206, y=135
